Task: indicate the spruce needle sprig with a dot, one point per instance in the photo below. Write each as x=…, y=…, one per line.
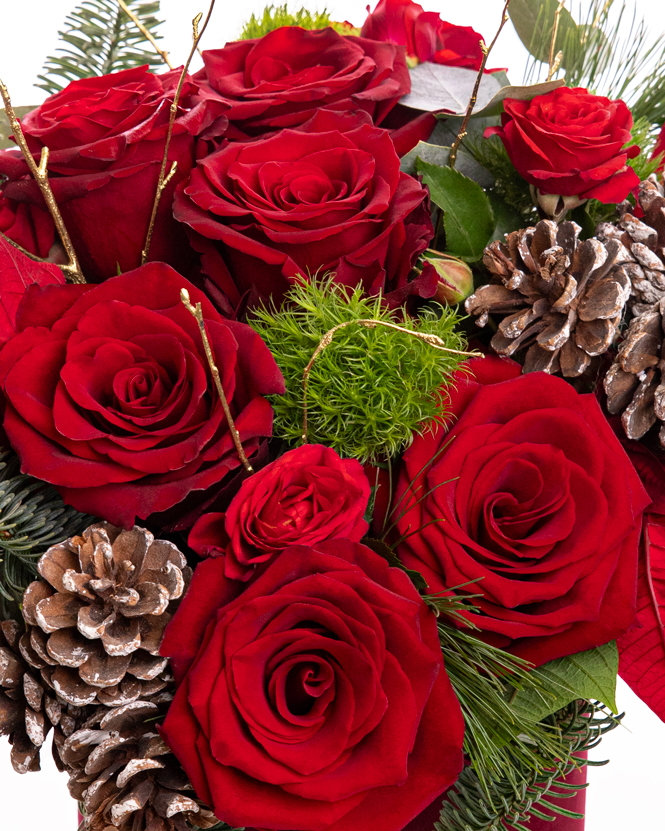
x=164, y=179
x=40, y=174
x=147, y=34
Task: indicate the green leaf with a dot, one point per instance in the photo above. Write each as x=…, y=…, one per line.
x=468, y=219
x=507, y=218
x=449, y=88
x=589, y=675
x=533, y=21
x=495, y=106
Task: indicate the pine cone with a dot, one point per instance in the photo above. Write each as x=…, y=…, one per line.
x=563, y=298
x=100, y=613
x=29, y=708
x=635, y=383
x=126, y=776
x=645, y=239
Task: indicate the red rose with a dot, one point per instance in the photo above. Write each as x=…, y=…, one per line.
x=17, y=272
x=327, y=197
x=531, y=494
x=571, y=143
x=305, y=497
x=283, y=78
x=659, y=149
x=28, y=225
x=425, y=36
x=316, y=699
x=109, y=396
x=106, y=139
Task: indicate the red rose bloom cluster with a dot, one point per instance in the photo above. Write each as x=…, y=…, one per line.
x=305, y=497
x=425, y=36
x=284, y=78
x=531, y=495
x=327, y=197
x=106, y=139
x=571, y=143
x=315, y=699
x=109, y=396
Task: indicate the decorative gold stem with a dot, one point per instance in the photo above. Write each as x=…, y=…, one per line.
x=146, y=34
x=474, y=95
x=326, y=340
x=197, y=313
x=555, y=61
x=163, y=180
x=40, y=173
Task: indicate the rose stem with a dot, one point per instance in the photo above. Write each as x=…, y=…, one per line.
x=163, y=180
x=326, y=340
x=40, y=173
x=474, y=95
x=197, y=313
x=146, y=34
x=554, y=62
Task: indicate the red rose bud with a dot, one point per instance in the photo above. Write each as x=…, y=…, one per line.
x=570, y=143
x=306, y=496
x=455, y=278
x=530, y=493
x=314, y=696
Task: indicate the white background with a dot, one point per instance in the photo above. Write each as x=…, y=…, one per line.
x=627, y=794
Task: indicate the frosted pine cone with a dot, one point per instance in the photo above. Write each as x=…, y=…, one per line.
x=101, y=611
x=562, y=299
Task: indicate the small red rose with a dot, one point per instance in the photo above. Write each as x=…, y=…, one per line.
x=313, y=698
x=109, y=395
x=306, y=496
x=531, y=495
x=106, y=138
x=571, y=143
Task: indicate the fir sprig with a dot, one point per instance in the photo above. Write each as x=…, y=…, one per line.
x=32, y=517
x=372, y=389
x=100, y=38
x=274, y=17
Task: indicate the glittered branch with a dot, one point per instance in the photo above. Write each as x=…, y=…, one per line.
x=40, y=173
x=146, y=34
x=326, y=340
x=474, y=95
x=555, y=60
x=164, y=179
x=197, y=313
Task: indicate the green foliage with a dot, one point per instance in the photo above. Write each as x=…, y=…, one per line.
x=467, y=219
x=470, y=807
x=32, y=517
x=100, y=38
x=371, y=389
x=274, y=17
x=6, y=130
x=534, y=21
x=589, y=675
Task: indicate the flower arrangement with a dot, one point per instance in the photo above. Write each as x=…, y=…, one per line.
x=333, y=479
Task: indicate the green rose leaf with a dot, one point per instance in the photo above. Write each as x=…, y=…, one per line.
x=468, y=219
x=591, y=675
x=449, y=88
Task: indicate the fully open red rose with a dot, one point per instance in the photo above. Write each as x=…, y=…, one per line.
x=106, y=139
x=283, y=78
x=109, y=396
x=316, y=699
x=28, y=225
x=425, y=36
x=327, y=197
x=532, y=495
x=571, y=143
x=307, y=496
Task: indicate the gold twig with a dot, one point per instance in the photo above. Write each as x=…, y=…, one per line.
x=197, y=313
x=146, y=34
x=555, y=61
x=326, y=340
x=163, y=179
x=40, y=173
x=474, y=95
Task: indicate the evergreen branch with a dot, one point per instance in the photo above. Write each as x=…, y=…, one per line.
x=32, y=517
x=274, y=17
x=100, y=38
